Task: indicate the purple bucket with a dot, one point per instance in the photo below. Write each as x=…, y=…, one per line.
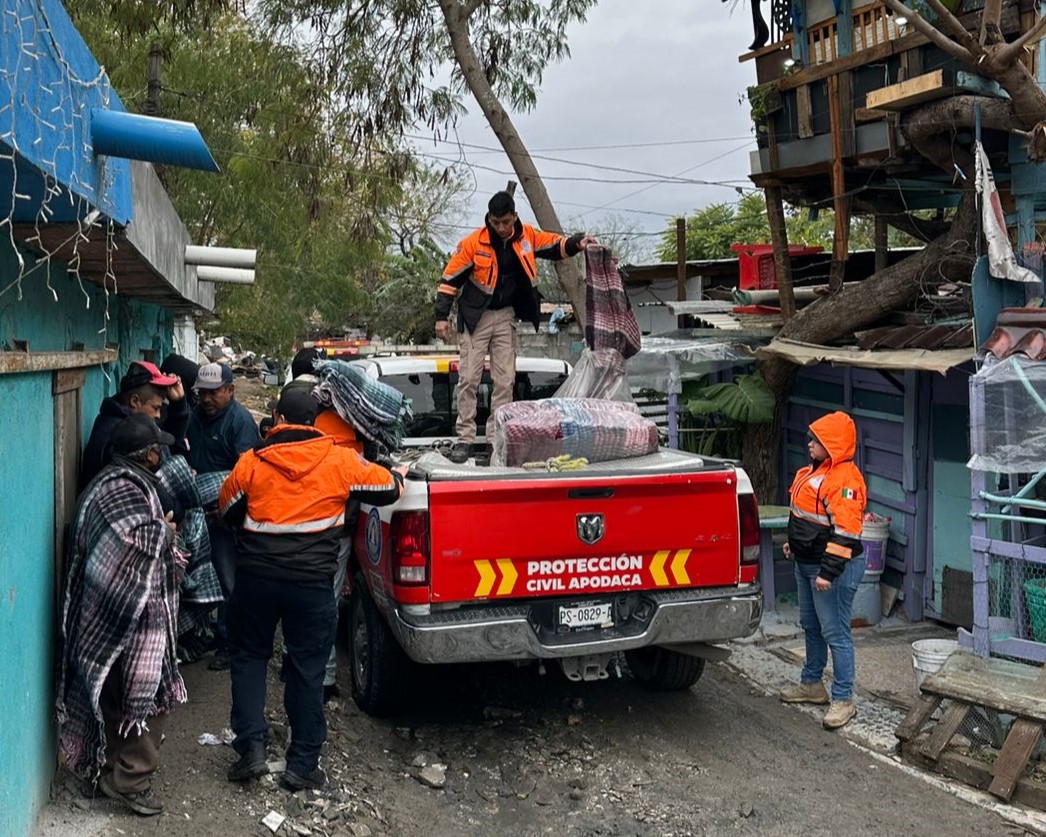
x=874, y=538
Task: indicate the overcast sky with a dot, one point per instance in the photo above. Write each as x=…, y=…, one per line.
x=640, y=73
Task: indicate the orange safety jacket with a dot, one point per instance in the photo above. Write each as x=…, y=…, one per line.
x=331, y=424
x=473, y=271
x=827, y=501
x=287, y=497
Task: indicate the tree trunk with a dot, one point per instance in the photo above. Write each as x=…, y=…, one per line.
x=456, y=17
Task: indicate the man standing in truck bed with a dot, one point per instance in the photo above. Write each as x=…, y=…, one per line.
x=493, y=275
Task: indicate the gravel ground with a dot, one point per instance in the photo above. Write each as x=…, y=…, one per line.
x=501, y=750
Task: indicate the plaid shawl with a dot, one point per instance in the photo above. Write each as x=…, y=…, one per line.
x=376, y=410
x=121, y=607
x=610, y=321
x=199, y=591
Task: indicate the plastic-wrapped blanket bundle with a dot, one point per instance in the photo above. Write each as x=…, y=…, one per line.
x=593, y=428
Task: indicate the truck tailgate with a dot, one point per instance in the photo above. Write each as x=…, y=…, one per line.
x=497, y=539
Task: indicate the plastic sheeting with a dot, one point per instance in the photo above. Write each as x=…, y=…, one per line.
x=597, y=374
x=1009, y=434
x=664, y=363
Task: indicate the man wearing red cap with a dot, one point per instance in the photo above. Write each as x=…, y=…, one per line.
x=143, y=389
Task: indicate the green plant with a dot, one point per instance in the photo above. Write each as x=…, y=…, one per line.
x=745, y=401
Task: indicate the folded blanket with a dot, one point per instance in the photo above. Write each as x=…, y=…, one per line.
x=376, y=410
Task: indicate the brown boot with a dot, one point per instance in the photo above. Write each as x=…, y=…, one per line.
x=839, y=714
x=806, y=693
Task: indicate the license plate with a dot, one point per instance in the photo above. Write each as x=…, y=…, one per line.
x=586, y=616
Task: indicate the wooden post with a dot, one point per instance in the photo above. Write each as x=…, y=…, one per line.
x=841, y=201
x=152, y=95
x=882, y=247
x=680, y=267
x=779, y=238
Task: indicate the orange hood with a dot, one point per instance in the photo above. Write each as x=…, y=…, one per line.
x=836, y=431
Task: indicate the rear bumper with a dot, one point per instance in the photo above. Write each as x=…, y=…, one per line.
x=520, y=631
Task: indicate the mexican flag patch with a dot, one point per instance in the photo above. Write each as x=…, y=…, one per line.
x=849, y=494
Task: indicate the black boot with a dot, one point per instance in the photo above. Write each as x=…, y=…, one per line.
x=252, y=763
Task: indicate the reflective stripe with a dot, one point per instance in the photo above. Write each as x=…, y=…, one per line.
x=449, y=290
x=382, y=487
x=824, y=520
x=844, y=534
x=838, y=550
x=252, y=525
x=232, y=501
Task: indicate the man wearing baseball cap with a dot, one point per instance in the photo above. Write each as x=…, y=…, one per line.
x=142, y=390
x=118, y=674
x=220, y=429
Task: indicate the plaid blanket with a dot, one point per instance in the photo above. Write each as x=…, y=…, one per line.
x=593, y=428
x=610, y=321
x=121, y=607
x=200, y=591
x=376, y=410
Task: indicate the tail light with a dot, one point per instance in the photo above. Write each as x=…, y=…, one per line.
x=748, y=517
x=409, y=536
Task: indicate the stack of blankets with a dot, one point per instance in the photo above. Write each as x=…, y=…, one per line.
x=593, y=428
x=377, y=411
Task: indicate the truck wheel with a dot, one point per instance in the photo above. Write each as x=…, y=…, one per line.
x=378, y=664
x=664, y=670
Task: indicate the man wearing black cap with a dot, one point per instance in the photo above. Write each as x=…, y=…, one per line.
x=287, y=498
x=493, y=276
x=142, y=390
x=118, y=674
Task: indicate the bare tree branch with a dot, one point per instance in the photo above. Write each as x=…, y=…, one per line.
x=929, y=31
x=468, y=8
x=947, y=21
x=1010, y=51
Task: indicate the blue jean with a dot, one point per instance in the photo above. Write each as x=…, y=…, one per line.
x=825, y=618
x=309, y=618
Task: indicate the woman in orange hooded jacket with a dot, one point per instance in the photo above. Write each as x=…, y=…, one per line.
x=827, y=501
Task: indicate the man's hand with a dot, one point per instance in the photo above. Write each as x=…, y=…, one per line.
x=401, y=470
x=176, y=391
x=168, y=519
x=822, y=585
x=442, y=329
x=786, y=549
x=587, y=241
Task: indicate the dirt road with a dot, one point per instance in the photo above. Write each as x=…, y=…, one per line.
x=512, y=753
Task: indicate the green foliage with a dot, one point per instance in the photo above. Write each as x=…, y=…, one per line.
x=320, y=208
x=745, y=401
x=400, y=303
x=387, y=61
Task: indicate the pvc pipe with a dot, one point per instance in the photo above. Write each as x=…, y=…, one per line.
x=220, y=256
x=1026, y=489
x=229, y=275
x=1038, y=521
x=1014, y=501
x=149, y=138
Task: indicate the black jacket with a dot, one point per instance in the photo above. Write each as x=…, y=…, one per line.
x=97, y=454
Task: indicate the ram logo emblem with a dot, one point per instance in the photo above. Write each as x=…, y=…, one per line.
x=590, y=527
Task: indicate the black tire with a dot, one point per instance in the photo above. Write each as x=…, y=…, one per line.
x=663, y=670
x=378, y=667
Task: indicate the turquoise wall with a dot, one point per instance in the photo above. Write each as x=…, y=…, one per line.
x=27, y=739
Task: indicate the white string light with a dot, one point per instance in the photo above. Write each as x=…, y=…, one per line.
x=39, y=114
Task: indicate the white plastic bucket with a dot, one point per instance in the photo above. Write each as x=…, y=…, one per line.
x=928, y=655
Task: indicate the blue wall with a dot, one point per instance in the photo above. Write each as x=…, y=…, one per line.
x=27, y=743
x=52, y=116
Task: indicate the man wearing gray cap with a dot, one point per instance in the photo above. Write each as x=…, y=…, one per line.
x=118, y=670
x=220, y=429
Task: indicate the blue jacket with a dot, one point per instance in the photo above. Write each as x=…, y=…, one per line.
x=216, y=443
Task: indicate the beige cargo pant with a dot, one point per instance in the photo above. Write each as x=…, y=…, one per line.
x=495, y=334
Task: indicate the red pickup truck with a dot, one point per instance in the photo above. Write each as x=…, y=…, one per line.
x=653, y=557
